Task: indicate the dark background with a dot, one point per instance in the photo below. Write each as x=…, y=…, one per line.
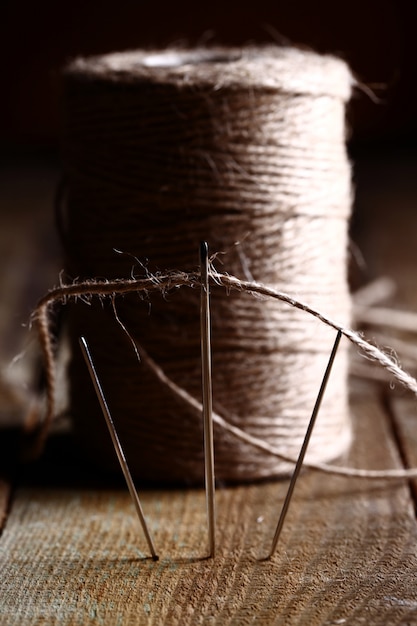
x=377, y=38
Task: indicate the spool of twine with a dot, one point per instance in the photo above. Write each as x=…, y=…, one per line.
x=244, y=149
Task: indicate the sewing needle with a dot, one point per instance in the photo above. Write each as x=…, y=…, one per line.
x=117, y=446
x=305, y=444
x=207, y=397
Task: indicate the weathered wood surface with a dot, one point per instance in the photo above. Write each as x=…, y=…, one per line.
x=348, y=553
x=72, y=551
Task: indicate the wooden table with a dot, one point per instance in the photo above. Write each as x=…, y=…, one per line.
x=71, y=549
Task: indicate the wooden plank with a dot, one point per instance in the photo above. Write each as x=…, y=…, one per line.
x=347, y=555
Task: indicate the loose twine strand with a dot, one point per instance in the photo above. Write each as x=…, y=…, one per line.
x=165, y=282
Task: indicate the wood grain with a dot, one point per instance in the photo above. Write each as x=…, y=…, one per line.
x=347, y=555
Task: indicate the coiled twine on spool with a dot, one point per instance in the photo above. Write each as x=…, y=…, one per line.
x=244, y=149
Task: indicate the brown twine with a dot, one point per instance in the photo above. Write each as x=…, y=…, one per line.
x=166, y=282
x=163, y=150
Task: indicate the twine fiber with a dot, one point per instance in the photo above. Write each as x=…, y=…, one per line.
x=244, y=149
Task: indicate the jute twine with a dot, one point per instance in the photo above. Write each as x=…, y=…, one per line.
x=244, y=149
x=87, y=291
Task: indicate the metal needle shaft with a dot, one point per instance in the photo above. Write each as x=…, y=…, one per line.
x=207, y=397
x=305, y=444
x=117, y=446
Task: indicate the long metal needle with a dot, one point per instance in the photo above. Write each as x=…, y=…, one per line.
x=207, y=398
x=117, y=446
x=305, y=444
